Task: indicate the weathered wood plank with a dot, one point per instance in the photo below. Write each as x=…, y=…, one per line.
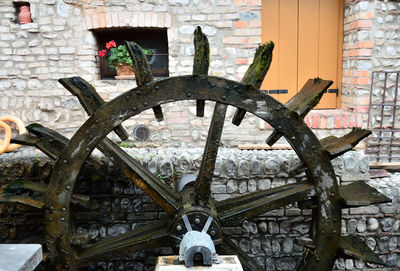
x=154, y=235
x=255, y=74
x=356, y=194
x=25, y=139
x=361, y=194
x=349, y=247
x=50, y=135
x=305, y=100
x=247, y=208
x=142, y=71
x=50, y=142
x=141, y=66
x=338, y=145
x=392, y=166
x=43, y=188
x=34, y=186
x=201, y=62
x=89, y=98
x=206, y=171
x=354, y=247
x=22, y=200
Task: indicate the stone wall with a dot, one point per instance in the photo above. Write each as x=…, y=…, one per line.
x=371, y=42
x=60, y=43
x=118, y=206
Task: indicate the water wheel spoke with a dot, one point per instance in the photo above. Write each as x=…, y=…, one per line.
x=164, y=196
x=89, y=98
x=25, y=139
x=206, y=171
x=305, y=100
x=201, y=62
x=48, y=141
x=150, y=236
x=255, y=74
x=51, y=142
x=51, y=150
x=233, y=213
x=43, y=188
x=36, y=202
x=34, y=186
x=142, y=71
x=227, y=204
x=48, y=134
x=230, y=248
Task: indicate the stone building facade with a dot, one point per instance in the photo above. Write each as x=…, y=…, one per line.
x=60, y=43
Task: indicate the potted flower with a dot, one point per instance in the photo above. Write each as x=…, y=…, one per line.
x=119, y=59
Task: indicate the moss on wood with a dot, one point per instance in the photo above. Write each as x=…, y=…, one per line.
x=201, y=60
x=141, y=66
x=258, y=69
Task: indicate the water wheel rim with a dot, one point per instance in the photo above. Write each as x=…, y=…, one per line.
x=246, y=97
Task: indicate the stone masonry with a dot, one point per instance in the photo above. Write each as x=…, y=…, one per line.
x=118, y=206
x=60, y=43
x=371, y=42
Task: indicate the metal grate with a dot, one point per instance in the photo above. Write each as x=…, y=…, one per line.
x=383, y=118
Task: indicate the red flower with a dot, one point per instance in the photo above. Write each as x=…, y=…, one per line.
x=102, y=52
x=111, y=44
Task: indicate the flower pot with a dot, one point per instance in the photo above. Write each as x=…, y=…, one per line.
x=24, y=15
x=124, y=71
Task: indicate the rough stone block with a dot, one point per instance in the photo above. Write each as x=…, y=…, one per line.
x=364, y=210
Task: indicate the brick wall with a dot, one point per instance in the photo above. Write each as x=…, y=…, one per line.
x=357, y=51
x=370, y=41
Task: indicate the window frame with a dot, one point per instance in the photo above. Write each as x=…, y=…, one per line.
x=152, y=38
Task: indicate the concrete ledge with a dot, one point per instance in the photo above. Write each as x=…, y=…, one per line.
x=20, y=257
x=171, y=263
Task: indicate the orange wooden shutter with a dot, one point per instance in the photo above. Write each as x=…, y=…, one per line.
x=308, y=43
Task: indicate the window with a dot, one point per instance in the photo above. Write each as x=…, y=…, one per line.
x=22, y=12
x=151, y=38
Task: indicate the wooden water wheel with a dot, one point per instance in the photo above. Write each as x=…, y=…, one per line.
x=321, y=192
